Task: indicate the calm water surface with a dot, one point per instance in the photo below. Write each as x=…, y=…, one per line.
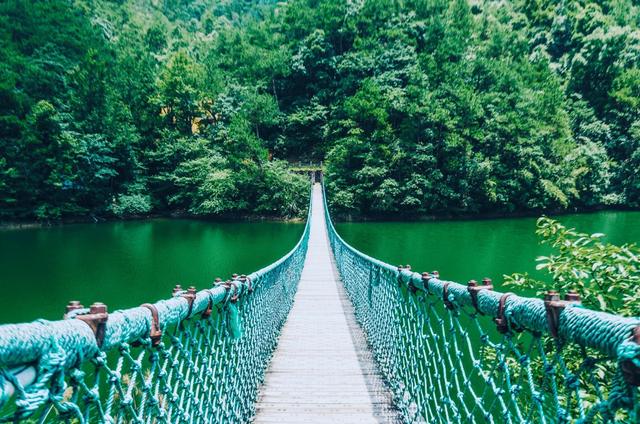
x=473, y=249
x=125, y=264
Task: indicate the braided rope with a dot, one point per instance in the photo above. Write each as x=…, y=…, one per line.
x=443, y=364
x=206, y=366
x=445, y=360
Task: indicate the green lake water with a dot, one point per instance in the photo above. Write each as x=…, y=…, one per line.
x=461, y=250
x=125, y=264
x=473, y=249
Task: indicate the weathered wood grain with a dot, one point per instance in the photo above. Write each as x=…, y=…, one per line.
x=322, y=370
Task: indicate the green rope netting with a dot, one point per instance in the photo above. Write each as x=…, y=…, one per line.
x=438, y=347
x=448, y=353
x=206, y=366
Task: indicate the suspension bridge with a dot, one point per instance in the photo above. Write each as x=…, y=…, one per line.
x=326, y=334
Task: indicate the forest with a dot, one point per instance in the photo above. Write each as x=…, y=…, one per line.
x=117, y=108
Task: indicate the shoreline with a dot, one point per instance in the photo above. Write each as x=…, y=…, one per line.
x=480, y=216
x=32, y=224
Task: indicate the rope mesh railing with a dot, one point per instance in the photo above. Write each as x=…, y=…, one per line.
x=198, y=357
x=452, y=353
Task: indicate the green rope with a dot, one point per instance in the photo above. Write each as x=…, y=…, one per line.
x=202, y=368
x=436, y=345
x=446, y=362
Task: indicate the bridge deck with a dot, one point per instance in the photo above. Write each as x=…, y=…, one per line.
x=322, y=370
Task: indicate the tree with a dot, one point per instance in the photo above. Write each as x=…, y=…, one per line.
x=179, y=92
x=419, y=107
x=156, y=38
x=45, y=166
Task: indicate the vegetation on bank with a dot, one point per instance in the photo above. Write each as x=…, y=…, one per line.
x=485, y=107
x=126, y=108
x=421, y=107
x=606, y=275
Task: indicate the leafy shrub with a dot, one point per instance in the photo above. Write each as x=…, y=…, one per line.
x=131, y=205
x=607, y=276
x=284, y=193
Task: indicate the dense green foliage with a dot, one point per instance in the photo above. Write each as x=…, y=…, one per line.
x=606, y=275
x=126, y=108
x=418, y=106
x=446, y=107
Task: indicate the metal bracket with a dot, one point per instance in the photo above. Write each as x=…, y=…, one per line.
x=554, y=307
x=207, y=312
x=474, y=288
x=425, y=281
x=73, y=305
x=231, y=284
x=248, y=282
x=235, y=282
x=629, y=370
x=189, y=295
x=236, y=291
x=501, y=321
x=155, y=332
x=426, y=276
x=96, y=319
x=573, y=296
x=410, y=286
x=445, y=297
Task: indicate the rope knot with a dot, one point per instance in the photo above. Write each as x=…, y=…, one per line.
x=67, y=410
x=515, y=389
x=100, y=359
x=537, y=397
x=562, y=414
x=76, y=375
x=114, y=377
x=126, y=401
x=176, y=342
x=92, y=395
x=572, y=381
x=165, y=354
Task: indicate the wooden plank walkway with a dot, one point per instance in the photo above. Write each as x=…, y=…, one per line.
x=322, y=370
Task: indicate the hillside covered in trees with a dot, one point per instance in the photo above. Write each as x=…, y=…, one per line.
x=129, y=107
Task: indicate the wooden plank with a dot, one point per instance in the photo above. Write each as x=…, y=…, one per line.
x=322, y=370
